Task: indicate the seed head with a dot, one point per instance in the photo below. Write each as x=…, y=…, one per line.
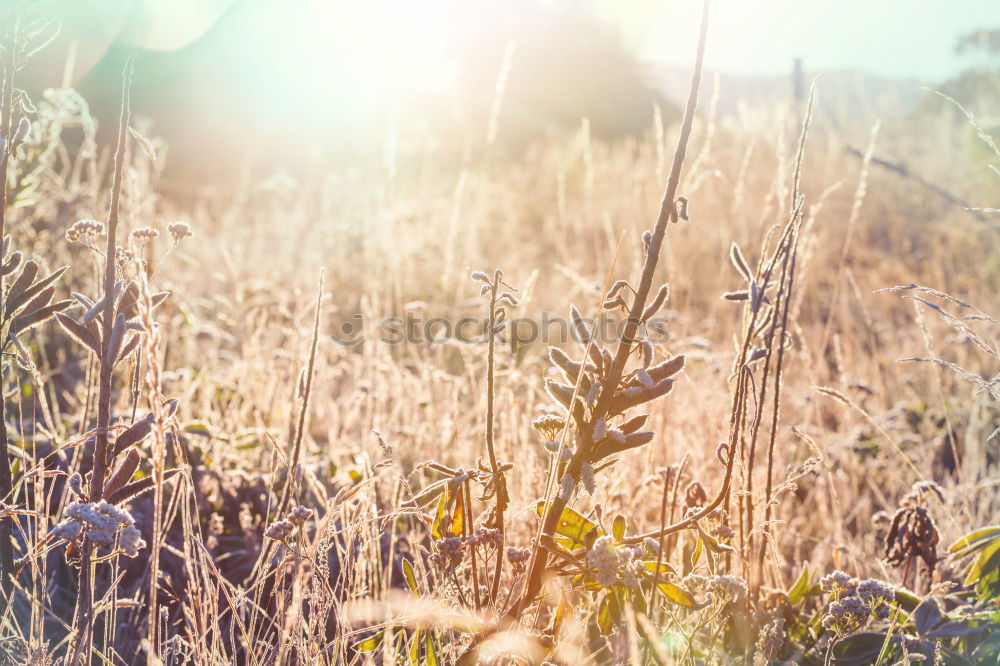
x=84, y=231
x=279, y=530
x=145, y=234
x=179, y=231
x=299, y=515
x=549, y=425
x=838, y=583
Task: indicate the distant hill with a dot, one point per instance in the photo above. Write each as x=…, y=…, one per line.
x=842, y=94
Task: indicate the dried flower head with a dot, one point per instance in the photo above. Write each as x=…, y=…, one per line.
x=448, y=552
x=518, y=556
x=84, y=231
x=770, y=642
x=604, y=558
x=179, y=231
x=549, y=425
x=300, y=514
x=838, y=583
x=876, y=592
x=732, y=589
x=145, y=234
x=123, y=257
x=279, y=530
x=847, y=615
x=102, y=524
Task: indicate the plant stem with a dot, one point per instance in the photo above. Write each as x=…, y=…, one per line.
x=498, y=478
x=85, y=594
x=6, y=477
x=667, y=212
x=106, y=363
x=304, y=409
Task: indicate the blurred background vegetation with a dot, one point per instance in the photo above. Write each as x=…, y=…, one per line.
x=272, y=89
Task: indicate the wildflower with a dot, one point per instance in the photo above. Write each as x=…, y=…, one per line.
x=448, y=552
x=838, y=583
x=485, y=536
x=279, y=530
x=102, y=524
x=632, y=572
x=549, y=425
x=770, y=641
x=604, y=558
x=876, y=592
x=130, y=541
x=68, y=529
x=729, y=588
x=84, y=231
x=179, y=231
x=846, y=615
x=517, y=555
x=723, y=532
x=694, y=582
x=123, y=257
x=145, y=234
x=300, y=514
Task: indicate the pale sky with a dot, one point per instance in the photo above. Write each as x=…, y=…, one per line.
x=895, y=38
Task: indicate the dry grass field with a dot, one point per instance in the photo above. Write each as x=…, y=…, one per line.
x=364, y=417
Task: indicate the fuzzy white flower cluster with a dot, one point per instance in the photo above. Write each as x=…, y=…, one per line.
x=725, y=589
x=611, y=563
x=102, y=524
x=854, y=601
x=730, y=588
x=604, y=557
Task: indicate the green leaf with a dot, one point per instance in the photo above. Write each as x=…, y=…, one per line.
x=801, y=587
x=713, y=544
x=955, y=629
x=926, y=616
x=677, y=595
x=986, y=563
x=618, y=528
x=696, y=555
x=973, y=541
x=415, y=649
x=458, y=515
x=572, y=525
x=444, y=504
x=430, y=657
x=861, y=649
x=200, y=428
x=664, y=567
x=988, y=648
x=411, y=580
x=907, y=600
x=609, y=613
x=369, y=644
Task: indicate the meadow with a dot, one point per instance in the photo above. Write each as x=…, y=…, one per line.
x=243, y=427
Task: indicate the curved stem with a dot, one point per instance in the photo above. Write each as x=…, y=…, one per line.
x=667, y=213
